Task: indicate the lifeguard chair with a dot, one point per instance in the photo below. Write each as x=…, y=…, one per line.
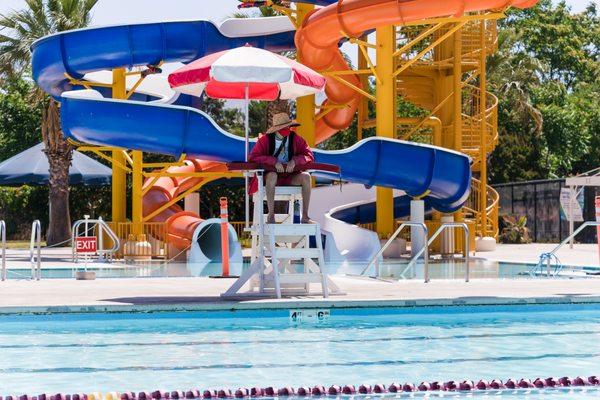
x=283, y=262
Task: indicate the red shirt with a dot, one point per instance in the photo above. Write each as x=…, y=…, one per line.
x=264, y=150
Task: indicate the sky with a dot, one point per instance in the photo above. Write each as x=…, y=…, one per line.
x=115, y=12
x=110, y=12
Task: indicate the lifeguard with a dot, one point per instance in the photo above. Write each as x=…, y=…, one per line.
x=284, y=150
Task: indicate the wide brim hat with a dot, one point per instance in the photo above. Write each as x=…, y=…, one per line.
x=280, y=121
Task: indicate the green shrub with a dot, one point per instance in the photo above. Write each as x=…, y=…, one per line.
x=513, y=229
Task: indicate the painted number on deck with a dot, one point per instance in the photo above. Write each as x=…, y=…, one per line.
x=85, y=245
x=309, y=315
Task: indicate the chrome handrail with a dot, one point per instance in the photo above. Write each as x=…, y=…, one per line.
x=102, y=226
x=36, y=242
x=391, y=239
x=444, y=226
x=547, y=257
x=3, y=238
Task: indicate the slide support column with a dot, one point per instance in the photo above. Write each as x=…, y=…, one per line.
x=136, y=192
x=483, y=145
x=386, y=119
x=305, y=105
x=363, y=105
x=457, y=115
x=417, y=214
x=119, y=187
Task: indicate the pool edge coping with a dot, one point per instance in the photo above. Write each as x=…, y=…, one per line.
x=250, y=305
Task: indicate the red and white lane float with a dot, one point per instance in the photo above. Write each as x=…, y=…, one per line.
x=331, y=391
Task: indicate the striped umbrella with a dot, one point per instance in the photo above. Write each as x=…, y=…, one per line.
x=247, y=73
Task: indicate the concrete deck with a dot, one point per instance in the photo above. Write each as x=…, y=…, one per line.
x=192, y=293
x=580, y=255
x=159, y=294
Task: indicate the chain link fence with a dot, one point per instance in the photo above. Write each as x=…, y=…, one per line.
x=539, y=201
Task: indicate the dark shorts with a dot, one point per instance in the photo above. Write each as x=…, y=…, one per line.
x=285, y=179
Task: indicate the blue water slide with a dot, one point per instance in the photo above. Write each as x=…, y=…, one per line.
x=442, y=175
x=420, y=170
x=87, y=50
x=365, y=213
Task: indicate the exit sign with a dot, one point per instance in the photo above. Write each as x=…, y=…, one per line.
x=86, y=245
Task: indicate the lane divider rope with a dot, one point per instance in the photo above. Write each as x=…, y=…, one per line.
x=318, y=391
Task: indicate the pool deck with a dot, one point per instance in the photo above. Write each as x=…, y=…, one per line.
x=579, y=255
x=193, y=293
x=162, y=294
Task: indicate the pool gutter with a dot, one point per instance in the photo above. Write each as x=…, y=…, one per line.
x=271, y=304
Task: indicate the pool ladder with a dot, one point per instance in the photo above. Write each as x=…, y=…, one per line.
x=3, y=238
x=545, y=261
x=425, y=249
x=35, y=250
x=103, y=228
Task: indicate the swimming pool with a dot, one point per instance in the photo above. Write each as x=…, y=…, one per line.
x=74, y=353
x=394, y=269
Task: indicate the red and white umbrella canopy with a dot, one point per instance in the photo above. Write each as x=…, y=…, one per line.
x=227, y=74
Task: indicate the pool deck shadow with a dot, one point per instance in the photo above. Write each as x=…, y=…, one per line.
x=177, y=294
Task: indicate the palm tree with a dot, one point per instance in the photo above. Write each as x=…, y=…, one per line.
x=18, y=30
x=513, y=74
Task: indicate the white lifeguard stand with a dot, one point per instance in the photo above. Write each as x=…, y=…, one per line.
x=283, y=263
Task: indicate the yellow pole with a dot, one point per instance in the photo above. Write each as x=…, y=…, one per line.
x=119, y=187
x=457, y=83
x=457, y=116
x=385, y=107
x=483, y=154
x=363, y=107
x=305, y=106
x=136, y=192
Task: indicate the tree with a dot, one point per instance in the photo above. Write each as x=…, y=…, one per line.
x=19, y=117
x=545, y=75
x=18, y=30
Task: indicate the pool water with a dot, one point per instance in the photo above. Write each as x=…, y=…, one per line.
x=72, y=353
x=441, y=269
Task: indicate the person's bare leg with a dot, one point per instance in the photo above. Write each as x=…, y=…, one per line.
x=303, y=179
x=270, y=183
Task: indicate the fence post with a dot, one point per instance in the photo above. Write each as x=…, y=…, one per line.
x=597, y=202
x=224, y=236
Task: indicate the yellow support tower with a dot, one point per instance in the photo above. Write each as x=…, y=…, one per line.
x=482, y=215
x=385, y=108
x=119, y=177
x=136, y=192
x=457, y=98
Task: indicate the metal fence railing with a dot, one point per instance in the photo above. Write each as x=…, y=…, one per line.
x=155, y=234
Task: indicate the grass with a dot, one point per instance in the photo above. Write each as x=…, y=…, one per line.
x=20, y=244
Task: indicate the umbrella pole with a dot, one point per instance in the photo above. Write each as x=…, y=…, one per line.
x=246, y=150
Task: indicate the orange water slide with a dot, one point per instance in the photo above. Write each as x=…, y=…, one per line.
x=180, y=224
x=318, y=39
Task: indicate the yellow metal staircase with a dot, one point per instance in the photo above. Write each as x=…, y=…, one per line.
x=420, y=84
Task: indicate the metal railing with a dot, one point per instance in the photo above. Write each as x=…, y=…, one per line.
x=102, y=229
x=36, y=244
x=546, y=258
x=375, y=259
x=486, y=215
x=444, y=226
x=156, y=234
x=3, y=238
